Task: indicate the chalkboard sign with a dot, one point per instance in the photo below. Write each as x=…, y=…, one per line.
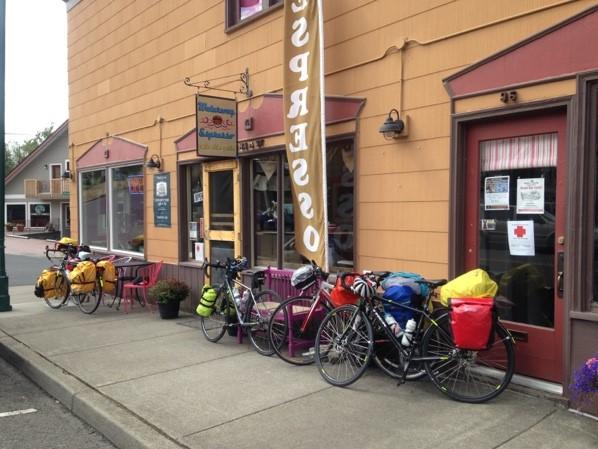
x=162, y=200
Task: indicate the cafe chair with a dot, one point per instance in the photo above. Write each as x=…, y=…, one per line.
x=138, y=287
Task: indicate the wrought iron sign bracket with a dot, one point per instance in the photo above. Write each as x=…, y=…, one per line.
x=207, y=84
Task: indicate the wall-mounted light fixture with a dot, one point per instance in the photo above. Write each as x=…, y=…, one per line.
x=154, y=162
x=67, y=174
x=392, y=128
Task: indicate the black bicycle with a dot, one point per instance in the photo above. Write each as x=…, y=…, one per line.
x=240, y=306
x=345, y=344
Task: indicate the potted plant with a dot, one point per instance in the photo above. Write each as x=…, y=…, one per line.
x=9, y=227
x=168, y=294
x=20, y=227
x=584, y=385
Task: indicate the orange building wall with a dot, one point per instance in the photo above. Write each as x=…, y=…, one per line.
x=128, y=59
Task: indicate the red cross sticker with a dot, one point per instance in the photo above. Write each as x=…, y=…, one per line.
x=519, y=231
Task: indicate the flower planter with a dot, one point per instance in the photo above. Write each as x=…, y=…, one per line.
x=20, y=228
x=169, y=310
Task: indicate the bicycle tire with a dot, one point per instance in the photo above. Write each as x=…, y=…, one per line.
x=468, y=376
x=342, y=362
x=387, y=357
x=89, y=302
x=289, y=342
x=259, y=311
x=56, y=302
x=214, y=326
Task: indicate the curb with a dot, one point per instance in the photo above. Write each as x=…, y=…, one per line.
x=107, y=416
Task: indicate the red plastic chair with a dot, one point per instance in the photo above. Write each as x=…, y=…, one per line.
x=150, y=277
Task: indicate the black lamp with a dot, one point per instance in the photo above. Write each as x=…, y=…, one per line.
x=154, y=162
x=67, y=174
x=392, y=128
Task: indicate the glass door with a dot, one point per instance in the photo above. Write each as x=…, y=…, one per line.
x=515, y=223
x=222, y=212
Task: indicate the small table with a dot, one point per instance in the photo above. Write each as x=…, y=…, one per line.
x=128, y=271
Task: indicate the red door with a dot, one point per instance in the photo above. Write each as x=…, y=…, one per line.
x=515, y=221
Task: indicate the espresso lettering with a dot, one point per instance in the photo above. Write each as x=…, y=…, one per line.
x=300, y=175
x=298, y=134
x=298, y=64
x=298, y=103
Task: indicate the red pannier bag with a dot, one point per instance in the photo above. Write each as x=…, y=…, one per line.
x=472, y=322
x=341, y=293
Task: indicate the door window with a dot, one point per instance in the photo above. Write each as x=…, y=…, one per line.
x=221, y=201
x=517, y=224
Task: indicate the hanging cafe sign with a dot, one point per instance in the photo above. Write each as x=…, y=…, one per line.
x=216, y=124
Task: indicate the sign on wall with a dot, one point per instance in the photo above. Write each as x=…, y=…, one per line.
x=162, y=200
x=216, y=122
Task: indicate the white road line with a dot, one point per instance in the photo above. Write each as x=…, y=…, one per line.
x=17, y=412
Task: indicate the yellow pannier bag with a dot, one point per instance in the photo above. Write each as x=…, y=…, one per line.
x=83, y=277
x=473, y=284
x=50, y=284
x=108, y=271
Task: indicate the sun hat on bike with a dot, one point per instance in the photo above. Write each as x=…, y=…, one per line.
x=303, y=277
x=364, y=287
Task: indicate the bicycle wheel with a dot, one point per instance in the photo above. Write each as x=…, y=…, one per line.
x=387, y=357
x=344, y=345
x=62, y=292
x=292, y=337
x=259, y=311
x=89, y=302
x=214, y=326
x=468, y=376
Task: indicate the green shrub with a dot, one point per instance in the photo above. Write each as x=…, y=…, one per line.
x=169, y=290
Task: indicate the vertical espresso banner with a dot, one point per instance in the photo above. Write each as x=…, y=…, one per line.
x=304, y=125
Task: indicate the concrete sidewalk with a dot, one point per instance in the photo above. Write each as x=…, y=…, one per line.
x=150, y=383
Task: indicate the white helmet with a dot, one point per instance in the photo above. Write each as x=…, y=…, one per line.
x=84, y=255
x=363, y=287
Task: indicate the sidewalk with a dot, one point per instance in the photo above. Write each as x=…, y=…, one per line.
x=150, y=383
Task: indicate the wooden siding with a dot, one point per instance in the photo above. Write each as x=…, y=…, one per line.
x=127, y=61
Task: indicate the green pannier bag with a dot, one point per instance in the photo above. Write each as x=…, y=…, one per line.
x=207, y=301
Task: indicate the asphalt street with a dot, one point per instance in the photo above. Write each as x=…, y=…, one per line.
x=30, y=419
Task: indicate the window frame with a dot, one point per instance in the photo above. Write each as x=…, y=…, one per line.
x=232, y=19
x=248, y=204
x=29, y=214
x=110, y=224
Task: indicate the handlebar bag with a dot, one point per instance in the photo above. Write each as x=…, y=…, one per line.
x=472, y=322
x=83, y=277
x=108, y=275
x=340, y=296
x=50, y=284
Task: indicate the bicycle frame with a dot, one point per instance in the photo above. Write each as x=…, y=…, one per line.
x=321, y=298
x=368, y=308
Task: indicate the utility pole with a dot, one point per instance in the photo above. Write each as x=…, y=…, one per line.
x=4, y=296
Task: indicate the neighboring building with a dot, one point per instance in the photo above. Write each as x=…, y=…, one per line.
x=500, y=101
x=37, y=194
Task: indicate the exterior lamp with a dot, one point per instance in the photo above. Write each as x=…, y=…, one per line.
x=67, y=175
x=392, y=128
x=154, y=162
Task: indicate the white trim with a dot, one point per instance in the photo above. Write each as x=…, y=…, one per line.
x=15, y=196
x=28, y=217
x=50, y=171
x=67, y=165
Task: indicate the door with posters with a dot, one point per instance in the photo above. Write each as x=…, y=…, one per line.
x=515, y=221
x=222, y=213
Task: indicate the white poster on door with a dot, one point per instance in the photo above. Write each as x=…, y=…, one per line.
x=521, y=238
x=199, y=251
x=530, y=196
x=496, y=193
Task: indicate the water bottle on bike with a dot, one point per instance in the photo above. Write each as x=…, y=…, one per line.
x=408, y=334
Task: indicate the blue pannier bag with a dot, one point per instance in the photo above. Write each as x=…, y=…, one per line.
x=399, y=294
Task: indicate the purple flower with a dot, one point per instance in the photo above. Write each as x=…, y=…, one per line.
x=584, y=385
